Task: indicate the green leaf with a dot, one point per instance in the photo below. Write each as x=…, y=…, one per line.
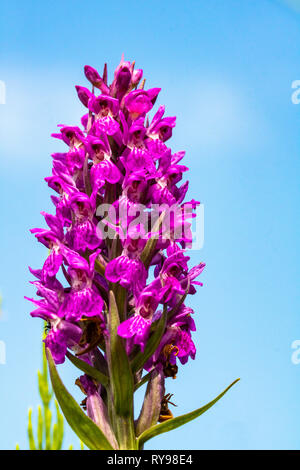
x=121, y=300
x=32, y=445
x=179, y=420
x=40, y=428
x=152, y=344
x=43, y=389
x=48, y=421
x=89, y=370
x=54, y=445
x=83, y=426
x=118, y=363
x=58, y=430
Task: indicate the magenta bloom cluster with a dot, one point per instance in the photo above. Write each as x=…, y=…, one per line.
x=117, y=158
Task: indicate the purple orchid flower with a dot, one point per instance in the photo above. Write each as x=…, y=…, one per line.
x=82, y=234
x=128, y=269
x=137, y=327
x=140, y=102
x=118, y=302
x=83, y=298
x=117, y=149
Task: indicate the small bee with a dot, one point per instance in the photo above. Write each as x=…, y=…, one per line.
x=92, y=335
x=165, y=413
x=170, y=370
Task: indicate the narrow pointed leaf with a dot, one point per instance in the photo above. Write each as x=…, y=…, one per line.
x=48, y=421
x=119, y=291
x=121, y=301
x=40, y=428
x=32, y=445
x=43, y=389
x=54, y=445
x=152, y=344
x=118, y=363
x=179, y=420
x=58, y=430
x=83, y=426
x=89, y=370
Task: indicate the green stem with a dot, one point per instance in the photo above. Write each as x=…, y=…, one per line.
x=123, y=426
x=124, y=429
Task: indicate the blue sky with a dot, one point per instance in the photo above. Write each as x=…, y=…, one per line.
x=225, y=69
